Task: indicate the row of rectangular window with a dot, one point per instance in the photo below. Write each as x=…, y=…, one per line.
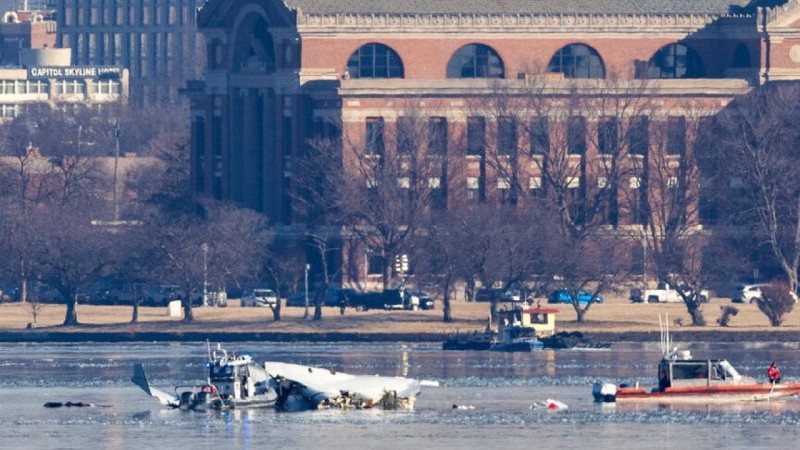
x=11, y=110
x=409, y=134
x=534, y=183
x=21, y=87
x=135, y=15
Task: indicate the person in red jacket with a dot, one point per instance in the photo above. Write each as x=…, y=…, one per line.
x=774, y=373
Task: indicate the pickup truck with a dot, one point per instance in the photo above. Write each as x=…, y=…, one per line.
x=388, y=299
x=664, y=293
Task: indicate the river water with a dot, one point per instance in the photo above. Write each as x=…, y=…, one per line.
x=498, y=394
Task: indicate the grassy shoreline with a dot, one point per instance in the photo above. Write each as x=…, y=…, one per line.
x=617, y=320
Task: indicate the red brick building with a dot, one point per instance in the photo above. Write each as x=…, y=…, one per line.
x=602, y=83
x=25, y=29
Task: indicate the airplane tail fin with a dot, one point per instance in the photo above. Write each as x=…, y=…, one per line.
x=140, y=379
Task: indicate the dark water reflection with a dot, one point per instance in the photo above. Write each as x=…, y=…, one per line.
x=502, y=390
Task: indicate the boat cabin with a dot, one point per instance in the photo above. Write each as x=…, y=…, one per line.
x=692, y=372
x=541, y=321
x=230, y=377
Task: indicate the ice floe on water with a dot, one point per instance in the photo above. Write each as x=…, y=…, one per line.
x=481, y=395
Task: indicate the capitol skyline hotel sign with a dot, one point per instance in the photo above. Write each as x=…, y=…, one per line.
x=74, y=72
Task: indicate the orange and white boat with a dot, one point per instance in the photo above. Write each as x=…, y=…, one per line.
x=682, y=379
x=696, y=381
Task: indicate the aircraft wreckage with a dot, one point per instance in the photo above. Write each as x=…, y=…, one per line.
x=237, y=382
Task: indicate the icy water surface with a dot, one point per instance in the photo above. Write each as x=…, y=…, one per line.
x=499, y=390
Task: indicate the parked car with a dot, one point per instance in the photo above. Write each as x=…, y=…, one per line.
x=664, y=293
x=563, y=296
x=406, y=299
x=747, y=293
x=333, y=295
x=161, y=294
x=259, y=297
x=514, y=295
x=489, y=294
x=363, y=301
x=37, y=292
x=110, y=291
x=424, y=300
x=390, y=299
x=501, y=295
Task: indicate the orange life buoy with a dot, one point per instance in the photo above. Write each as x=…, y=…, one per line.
x=210, y=388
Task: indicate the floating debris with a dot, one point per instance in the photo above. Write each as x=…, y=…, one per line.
x=68, y=404
x=549, y=404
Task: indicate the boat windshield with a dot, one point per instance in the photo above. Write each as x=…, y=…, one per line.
x=221, y=373
x=685, y=370
x=712, y=369
x=723, y=369
x=519, y=332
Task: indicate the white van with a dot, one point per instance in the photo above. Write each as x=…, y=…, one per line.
x=747, y=293
x=259, y=297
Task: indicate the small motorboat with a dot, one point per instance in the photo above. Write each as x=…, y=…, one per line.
x=233, y=382
x=683, y=379
x=686, y=380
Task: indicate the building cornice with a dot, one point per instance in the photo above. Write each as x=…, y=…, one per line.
x=460, y=88
x=512, y=23
x=780, y=15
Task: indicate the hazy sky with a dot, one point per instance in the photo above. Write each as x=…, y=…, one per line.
x=6, y=5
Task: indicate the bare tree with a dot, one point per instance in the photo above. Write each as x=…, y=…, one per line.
x=327, y=250
x=285, y=266
x=396, y=172
x=669, y=187
x=561, y=150
x=68, y=252
x=239, y=241
x=519, y=257
x=320, y=203
x=135, y=261
x=750, y=154
x=776, y=302
x=35, y=307
x=453, y=246
x=394, y=185
x=437, y=260
x=566, y=141
x=45, y=169
x=215, y=245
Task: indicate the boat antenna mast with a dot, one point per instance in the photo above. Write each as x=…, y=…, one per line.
x=663, y=325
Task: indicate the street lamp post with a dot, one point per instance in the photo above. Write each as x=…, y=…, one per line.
x=205, y=273
x=116, y=168
x=644, y=262
x=308, y=267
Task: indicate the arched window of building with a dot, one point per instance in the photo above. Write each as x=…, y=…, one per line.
x=375, y=61
x=475, y=61
x=675, y=61
x=254, y=48
x=578, y=61
x=741, y=57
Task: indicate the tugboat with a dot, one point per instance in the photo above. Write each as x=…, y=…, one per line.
x=520, y=330
x=683, y=379
x=233, y=382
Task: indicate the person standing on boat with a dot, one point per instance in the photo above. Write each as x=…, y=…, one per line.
x=774, y=373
